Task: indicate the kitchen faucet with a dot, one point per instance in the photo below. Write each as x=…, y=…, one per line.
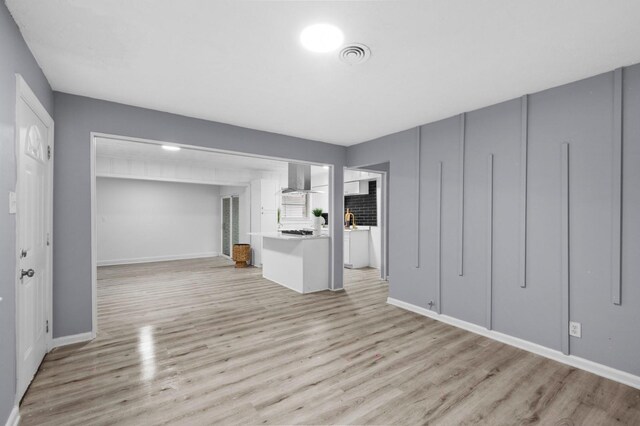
x=350, y=218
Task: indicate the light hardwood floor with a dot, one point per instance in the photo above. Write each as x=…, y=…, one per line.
x=199, y=342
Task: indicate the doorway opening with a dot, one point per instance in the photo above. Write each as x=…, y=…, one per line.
x=365, y=219
x=230, y=223
x=151, y=204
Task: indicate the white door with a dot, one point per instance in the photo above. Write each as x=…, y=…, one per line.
x=33, y=214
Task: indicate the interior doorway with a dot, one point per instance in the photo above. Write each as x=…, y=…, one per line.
x=365, y=219
x=156, y=201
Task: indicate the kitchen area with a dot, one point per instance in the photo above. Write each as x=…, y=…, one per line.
x=290, y=235
x=291, y=244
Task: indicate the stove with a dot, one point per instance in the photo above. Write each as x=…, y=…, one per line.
x=297, y=232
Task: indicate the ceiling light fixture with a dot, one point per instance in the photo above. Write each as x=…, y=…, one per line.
x=170, y=148
x=321, y=38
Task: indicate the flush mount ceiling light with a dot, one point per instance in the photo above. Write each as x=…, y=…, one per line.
x=170, y=148
x=321, y=38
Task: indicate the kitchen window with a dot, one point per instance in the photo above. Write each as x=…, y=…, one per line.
x=294, y=206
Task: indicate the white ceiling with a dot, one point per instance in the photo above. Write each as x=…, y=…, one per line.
x=240, y=62
x=191, y=156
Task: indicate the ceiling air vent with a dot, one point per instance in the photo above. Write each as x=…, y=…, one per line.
x=355, y=53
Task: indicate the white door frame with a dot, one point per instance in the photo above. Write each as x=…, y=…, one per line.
x=384, y=219
x=26, y=95
x=94, y=209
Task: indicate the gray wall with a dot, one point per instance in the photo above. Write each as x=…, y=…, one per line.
x=75, y=118
x=15, y=57
x=489, y=293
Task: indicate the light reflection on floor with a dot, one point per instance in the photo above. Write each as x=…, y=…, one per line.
x=147, y=351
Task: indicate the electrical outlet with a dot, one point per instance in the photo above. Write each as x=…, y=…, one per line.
x=575, y=329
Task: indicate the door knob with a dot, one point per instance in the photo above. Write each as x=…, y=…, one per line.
x=29, y=273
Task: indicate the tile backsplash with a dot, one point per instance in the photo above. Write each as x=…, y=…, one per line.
x=363, y=207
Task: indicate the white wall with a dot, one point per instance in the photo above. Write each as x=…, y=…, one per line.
x=320, y=183
x=244, y=193
x=141, y=220
x=320, y=199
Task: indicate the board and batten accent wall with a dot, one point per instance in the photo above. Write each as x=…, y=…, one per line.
x=148, y=221
x=526, y=218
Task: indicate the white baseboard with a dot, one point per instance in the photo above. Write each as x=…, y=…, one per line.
x=70, y=340
x=14, y=417
x=574, y=361
x=114, y=262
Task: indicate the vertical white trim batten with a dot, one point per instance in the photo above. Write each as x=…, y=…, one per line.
x=489, y=295
x=524, y=147
x=565, y=249
x=461, y=201
x=439, y=242
x=418, y=191
x=616, y=208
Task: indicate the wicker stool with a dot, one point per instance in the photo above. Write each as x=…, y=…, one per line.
x=242, y=255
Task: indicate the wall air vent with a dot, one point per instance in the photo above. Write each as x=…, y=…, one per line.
x=355, y=53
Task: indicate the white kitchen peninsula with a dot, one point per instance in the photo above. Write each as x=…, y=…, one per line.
x=300, y=263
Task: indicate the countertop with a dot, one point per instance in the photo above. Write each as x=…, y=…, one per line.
x=281, y=236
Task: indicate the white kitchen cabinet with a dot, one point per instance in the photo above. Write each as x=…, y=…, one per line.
x=356, y=248
x=264, y=214
x=352, y=175
x=358, y=187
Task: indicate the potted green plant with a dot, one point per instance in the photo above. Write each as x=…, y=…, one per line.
x=318, y=220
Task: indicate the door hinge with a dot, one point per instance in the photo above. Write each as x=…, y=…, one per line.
x=46, y=325
x=49, y=152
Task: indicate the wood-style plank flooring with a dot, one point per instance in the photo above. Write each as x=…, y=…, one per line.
x=199, y=342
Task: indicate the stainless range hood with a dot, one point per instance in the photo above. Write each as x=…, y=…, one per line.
x=299, y=179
